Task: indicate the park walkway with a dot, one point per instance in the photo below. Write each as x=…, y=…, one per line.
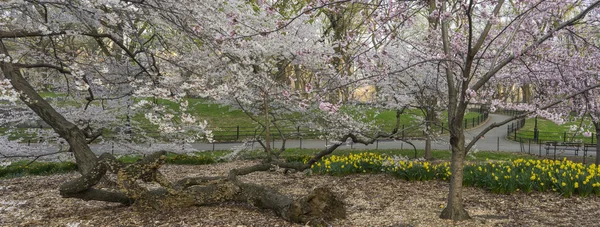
x=494, y=140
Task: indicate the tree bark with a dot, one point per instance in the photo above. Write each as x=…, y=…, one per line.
x=454, y=208
x=317, y=208
x=430, y=117
x=85, y=158
x=597, y=126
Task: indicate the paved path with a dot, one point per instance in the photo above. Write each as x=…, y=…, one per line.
x=494, y=140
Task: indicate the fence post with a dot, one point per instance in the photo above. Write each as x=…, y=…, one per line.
x=237, y=133
x=442, y=128
x=498, y=144
x=376, y=144
x=472, y=122
x=402, y=131
x=112, y=149
x=592, y=138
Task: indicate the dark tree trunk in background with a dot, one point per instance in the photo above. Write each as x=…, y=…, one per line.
x=597, y=127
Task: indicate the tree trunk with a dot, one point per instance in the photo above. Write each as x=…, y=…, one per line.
x=316, y=208
x=267, y=126
x=428, y=148
x=85, y=158
x=429, y=119
x=597, y=126
x=454, y=209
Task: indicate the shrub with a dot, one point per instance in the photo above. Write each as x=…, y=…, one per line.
x=183, y=159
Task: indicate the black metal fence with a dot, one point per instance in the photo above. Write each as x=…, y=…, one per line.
x=514, y=127
x=240, y=133
x=557, y=150
x=543, y=137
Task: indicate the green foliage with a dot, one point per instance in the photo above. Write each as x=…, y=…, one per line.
x=22, y=168
x=565, y=177
x=176, y=159
x=182, y=159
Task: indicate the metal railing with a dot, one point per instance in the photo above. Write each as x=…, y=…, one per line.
x=240, y=133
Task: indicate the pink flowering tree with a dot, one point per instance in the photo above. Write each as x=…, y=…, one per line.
x=470, y=50
x=565, y=65
x=478, y=40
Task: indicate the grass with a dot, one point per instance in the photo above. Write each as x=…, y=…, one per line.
x=22, y=168
x=20, y=133
x=550, y=131
x=229, y=124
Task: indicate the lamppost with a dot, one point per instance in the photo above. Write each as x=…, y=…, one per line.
x=535, y=130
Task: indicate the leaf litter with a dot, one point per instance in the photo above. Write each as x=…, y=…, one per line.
x=371, y=200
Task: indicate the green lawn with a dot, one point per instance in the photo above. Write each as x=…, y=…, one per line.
x=550, y=131
x=230, y=124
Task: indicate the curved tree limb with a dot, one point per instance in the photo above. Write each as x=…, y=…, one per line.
x=317, y=208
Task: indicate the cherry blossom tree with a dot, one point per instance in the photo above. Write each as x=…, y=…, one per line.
x=250, y=54
x=571, y=62
x=477, y=41
x=471, y=49
x=112, y=53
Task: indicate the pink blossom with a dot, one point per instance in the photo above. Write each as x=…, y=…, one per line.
x=308, y=88
x=328, y=107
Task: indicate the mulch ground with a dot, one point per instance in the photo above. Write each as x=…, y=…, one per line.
x=371, y=200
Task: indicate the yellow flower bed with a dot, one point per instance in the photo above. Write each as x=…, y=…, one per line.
x=562, y=176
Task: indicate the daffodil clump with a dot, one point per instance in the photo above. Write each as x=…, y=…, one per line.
x=565, y=177
x=416, y=170
x=352, y=163
x=381, y=163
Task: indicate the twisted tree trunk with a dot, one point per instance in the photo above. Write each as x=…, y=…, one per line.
x=86, y=160
x=316, y=208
